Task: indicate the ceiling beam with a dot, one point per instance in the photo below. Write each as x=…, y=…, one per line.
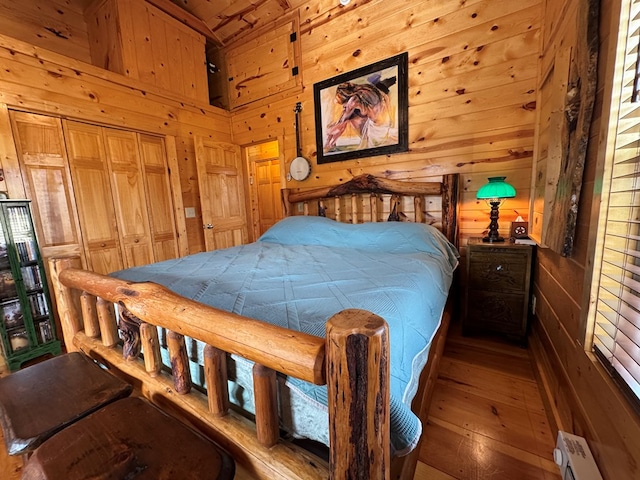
x=187, y=18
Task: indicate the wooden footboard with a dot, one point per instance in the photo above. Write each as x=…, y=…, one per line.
x=352, y=361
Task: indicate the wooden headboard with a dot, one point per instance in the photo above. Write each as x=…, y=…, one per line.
x=361, y=199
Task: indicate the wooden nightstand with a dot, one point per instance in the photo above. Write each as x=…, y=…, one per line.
x=498, y=284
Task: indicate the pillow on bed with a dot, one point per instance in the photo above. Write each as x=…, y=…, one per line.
x=391, y=237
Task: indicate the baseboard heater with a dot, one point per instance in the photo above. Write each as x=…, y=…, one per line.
x=573, y=456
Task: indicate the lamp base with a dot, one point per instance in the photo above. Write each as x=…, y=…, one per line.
x=493, y=235
x=492, y=239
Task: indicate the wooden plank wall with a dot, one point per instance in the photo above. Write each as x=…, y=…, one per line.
x=472, y=91
x=472, y=95
x=583, y=398
x=140, y=41
x=41, y=81
x=57, y=25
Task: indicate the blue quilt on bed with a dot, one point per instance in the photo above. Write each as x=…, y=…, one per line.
x=305, y=269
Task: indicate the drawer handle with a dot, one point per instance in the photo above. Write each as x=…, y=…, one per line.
x=498, y=268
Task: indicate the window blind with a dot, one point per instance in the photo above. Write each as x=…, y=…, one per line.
x=616, y=339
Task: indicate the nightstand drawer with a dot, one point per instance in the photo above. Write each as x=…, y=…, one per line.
x=506, y=272
x=497, y=311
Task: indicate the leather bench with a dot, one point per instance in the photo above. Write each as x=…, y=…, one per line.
x=130, y=438
x=40, y=400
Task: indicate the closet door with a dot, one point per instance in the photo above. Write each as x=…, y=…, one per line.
x=90, y=174
x=128, y=196
x=221, y=194
x=161, y=214
x=47, y=179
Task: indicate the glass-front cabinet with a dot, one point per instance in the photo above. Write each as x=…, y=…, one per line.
x=27, y=326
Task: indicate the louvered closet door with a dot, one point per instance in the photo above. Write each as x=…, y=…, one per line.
x=221, y=194
x=90, y=174
x=160, y=207
x=43, y=162
x=128, y=196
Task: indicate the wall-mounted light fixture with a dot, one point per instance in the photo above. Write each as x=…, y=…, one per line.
x=494, y=193
x=344, y=3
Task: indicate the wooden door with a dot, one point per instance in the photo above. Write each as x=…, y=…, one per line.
x=47, y=179
x=128, y=196
x=265, y=194
x=221, y=194
x=160, y=207
x=90, y=174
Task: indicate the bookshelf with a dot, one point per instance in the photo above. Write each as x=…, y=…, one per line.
x=27, y=327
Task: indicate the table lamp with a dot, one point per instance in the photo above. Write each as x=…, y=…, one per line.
x=494, y=193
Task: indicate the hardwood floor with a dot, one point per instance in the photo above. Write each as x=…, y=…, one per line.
x=487, y=419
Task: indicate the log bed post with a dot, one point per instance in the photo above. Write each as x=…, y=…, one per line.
x=373, y=204
x=450, y=196
x=266, y=403
x=287, y=207
x=357, y=345
x=90, y=315
x=179, y=362
x=68, y=311
x=108, y=325
x=151, y=348
x=215, y=367
x=354, y=208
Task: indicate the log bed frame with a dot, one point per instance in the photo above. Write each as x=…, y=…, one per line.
x=352, y=360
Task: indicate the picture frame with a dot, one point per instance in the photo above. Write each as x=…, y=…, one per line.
x=364, y=112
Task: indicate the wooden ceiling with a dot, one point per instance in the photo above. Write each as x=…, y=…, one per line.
x=228, y=20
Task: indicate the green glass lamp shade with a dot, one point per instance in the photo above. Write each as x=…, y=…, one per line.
x=493, y=192
x=496, y=188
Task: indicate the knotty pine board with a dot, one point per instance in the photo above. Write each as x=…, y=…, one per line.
x=54, y=24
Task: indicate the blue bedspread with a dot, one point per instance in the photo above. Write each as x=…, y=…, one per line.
x=305, y=269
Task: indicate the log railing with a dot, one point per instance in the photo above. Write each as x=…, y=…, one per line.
x=352, y=361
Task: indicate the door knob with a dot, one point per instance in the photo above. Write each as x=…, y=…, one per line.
x=208, y=226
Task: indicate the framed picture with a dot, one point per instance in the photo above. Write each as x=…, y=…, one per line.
x=363, y=113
